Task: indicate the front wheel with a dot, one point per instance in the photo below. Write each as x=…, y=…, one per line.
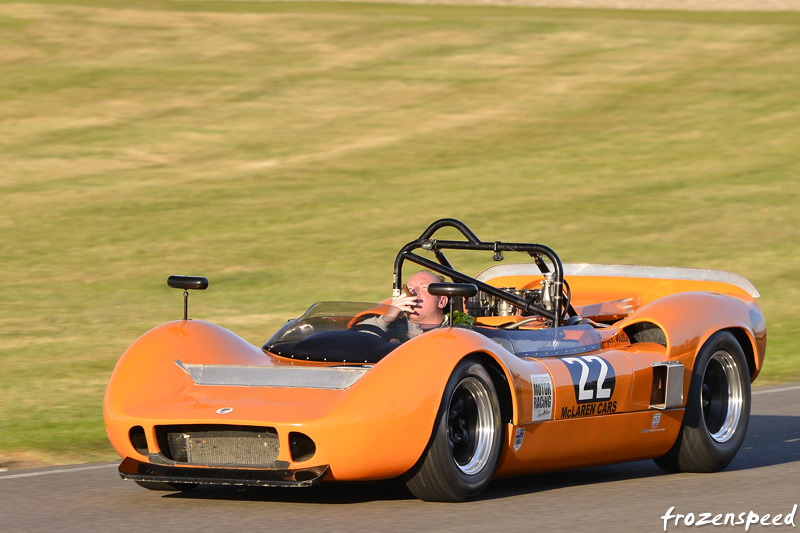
x=465, y=446
x=717, y=409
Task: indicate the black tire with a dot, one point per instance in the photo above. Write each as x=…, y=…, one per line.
x=717, y=409
x=465, y=447
x=162, y=485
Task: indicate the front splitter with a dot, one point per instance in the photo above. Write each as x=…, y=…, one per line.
x=302, y=477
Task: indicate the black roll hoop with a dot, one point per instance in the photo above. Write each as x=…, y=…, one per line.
x=471, y=242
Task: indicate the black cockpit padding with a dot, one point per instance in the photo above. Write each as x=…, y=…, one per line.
x=336, y=346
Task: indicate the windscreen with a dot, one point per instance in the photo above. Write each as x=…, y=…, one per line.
x=342, y=316
x=340, y=331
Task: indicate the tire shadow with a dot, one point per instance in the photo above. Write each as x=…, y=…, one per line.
x=771, y=440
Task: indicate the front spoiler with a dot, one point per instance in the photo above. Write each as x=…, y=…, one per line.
x=302, y=477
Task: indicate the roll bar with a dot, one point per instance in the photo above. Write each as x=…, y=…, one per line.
x=472, y=242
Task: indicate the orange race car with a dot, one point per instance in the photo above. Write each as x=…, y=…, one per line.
x=540, y=366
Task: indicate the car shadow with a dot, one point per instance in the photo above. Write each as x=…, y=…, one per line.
x=770, y=440
x=334, y=493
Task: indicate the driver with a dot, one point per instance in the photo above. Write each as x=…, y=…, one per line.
x=424, y=311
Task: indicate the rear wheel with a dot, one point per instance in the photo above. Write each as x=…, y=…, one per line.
x=465, y=447
x=717, y=409
x=162, y=485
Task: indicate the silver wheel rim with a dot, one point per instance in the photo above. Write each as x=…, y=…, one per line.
x=471, y=426
x=722, y=396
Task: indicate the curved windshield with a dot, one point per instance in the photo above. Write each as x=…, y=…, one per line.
x=340, y=331
x=340, y=316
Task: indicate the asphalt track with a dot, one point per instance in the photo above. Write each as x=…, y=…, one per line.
x=763, y=479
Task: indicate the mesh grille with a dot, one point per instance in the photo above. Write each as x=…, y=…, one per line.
x=225, y=450
x=659, y=390
x=221, y=446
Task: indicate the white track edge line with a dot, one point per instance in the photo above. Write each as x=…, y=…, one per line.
x=59, y=471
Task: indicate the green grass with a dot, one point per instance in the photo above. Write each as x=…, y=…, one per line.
x=288, y=150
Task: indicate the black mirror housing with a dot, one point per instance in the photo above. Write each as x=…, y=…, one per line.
x=188, y=282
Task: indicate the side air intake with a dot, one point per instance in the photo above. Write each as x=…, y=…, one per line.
x=667, y=391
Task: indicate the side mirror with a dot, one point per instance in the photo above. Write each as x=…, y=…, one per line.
x=450, y=290
x=186, y=283
x=466, y=290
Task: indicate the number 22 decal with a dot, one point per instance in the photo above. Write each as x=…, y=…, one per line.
x=592, y=376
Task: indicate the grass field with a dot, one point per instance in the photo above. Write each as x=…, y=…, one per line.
x=288, y=150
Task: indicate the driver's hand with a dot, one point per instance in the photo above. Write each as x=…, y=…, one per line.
x=401, y=304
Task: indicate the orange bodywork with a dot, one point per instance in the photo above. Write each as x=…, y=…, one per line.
x=379, y=426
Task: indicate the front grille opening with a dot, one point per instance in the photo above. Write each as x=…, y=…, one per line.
x=219, y=445
x=138, y=439
x=301, y=447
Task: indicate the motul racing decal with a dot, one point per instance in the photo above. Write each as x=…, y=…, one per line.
x=593, y=379
x=542, y=387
